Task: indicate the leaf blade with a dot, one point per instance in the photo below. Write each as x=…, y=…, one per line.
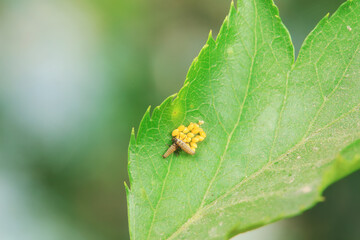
x=246, y=88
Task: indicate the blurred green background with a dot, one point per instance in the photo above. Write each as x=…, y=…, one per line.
x=76, y=75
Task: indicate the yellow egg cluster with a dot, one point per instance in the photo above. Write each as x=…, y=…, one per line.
x=190, y=134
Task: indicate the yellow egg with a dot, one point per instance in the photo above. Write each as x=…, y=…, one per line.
x=190, y=135
x=195, y=139
x=187, y=139
x=191, y=126
x=195, y=131
x=194, y=145
x=181, y=128
x=186, y=130
x=201, y=138
x=175, y=133
x=202, y=134
x=201, y=122
x=182, y=136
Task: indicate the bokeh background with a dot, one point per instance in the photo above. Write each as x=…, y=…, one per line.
x=77, y=75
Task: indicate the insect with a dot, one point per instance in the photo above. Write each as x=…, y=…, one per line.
x=177, y=143
x=173, y=147
x=186, y=138
x=186, y=148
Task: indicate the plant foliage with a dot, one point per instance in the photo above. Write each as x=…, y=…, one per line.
x=279, y=131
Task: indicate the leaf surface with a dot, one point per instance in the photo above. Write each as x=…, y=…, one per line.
x=278, y=131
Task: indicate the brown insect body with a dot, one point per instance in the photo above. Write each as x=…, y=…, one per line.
x=170, y=150
x=183, y=146
x=177, y=143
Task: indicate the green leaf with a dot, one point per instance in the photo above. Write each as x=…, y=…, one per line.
x=278, y=132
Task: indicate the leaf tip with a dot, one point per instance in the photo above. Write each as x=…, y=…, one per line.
x=210, y=39
x=173, y=96
x=148, y=109
x=144, y=122
x=131, y=150
x=232, y=7
x=132, y=136
x=127, y=189
x=147, y=115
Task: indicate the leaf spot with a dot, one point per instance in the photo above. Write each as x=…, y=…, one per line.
x=230, y=51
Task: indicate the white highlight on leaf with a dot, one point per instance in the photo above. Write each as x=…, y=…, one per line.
x=306, y=189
